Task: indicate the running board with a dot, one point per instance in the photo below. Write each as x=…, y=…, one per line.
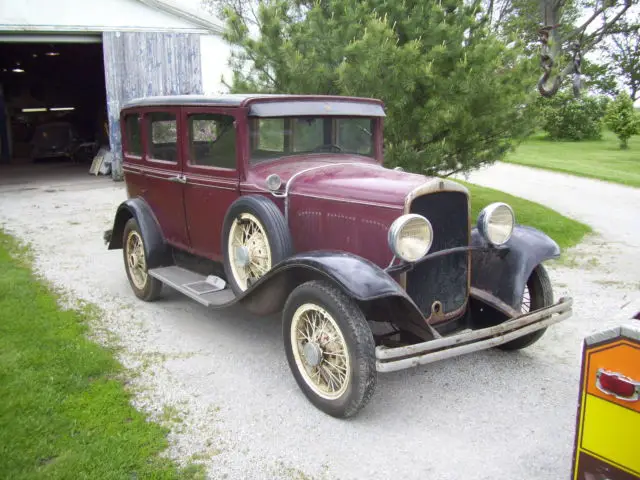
x=202, y=289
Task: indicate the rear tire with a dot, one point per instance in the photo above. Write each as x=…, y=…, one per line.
x=143, y=285
x=540, y=296
x=330, y=348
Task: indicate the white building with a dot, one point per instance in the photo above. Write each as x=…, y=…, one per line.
x=92, y=56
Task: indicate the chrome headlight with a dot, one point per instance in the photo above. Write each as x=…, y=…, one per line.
x=410, y=237
x=496, y=222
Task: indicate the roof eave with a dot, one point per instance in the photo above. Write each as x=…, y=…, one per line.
x=185, y=14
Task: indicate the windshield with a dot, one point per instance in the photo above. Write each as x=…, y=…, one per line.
x=276, y=137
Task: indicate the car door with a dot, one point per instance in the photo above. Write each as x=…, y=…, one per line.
x=212, y=174
x=163, y=173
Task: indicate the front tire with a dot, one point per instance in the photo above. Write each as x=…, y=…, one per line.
x=538, y=293
x=330, y=348
x=143, y=285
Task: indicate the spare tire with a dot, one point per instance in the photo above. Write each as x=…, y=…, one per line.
x=255, y=238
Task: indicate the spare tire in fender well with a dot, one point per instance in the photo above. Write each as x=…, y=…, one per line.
x=275, y=228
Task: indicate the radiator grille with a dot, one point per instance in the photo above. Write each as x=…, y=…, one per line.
x=442, y=279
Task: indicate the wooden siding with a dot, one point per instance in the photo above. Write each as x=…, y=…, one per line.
x=142, y=64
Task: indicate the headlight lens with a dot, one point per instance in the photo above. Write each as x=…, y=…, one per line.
x=496, y=222
x=410, y=237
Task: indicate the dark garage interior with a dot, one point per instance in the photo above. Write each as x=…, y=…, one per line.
x=53, y=103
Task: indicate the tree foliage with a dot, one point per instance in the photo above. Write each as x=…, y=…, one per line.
x=568, y=118
x=622, y=119
x=455, y=94
x=624, y=52
x=599, y=78
x=605, y=25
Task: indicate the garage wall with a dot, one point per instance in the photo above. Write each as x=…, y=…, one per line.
x=142, y=64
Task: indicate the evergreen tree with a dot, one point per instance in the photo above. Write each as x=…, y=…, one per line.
x=456, y=96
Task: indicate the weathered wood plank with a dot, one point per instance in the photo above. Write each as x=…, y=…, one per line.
x=143, y=64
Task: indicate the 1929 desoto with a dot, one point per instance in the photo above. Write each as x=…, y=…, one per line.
x=281, y=203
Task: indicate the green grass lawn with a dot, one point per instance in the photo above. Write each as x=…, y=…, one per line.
x=601, y=159
x=565, y=231
x=63, y=411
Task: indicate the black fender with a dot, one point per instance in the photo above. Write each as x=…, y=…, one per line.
x=380, y=296
x=157, y=251
x=502, y=272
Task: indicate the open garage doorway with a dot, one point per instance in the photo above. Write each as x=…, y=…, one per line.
x=53, y=115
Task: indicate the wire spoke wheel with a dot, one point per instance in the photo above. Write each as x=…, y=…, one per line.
x=526, y=300
x=320, y=351
x=537, y=294
x=255, y=239
x=329, y=347
x=136, y=264
x=136, y=261
x=249, y=251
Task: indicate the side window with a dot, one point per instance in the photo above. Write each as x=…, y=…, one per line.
x=271, y=133
x=212, y=140
x=132, y=132
x=162, y=136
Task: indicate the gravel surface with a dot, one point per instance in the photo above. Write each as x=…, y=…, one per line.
x=221, y=382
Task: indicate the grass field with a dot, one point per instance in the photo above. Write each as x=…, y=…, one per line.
x=565, y=231
x=64, y=412
x=600, y=159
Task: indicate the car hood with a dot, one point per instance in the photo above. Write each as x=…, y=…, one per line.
x=344, y=177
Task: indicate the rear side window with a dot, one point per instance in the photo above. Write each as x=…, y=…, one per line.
x=162, y=132
x=132, y=132
x=212, y=140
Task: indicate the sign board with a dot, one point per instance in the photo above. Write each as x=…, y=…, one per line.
x=607, y=445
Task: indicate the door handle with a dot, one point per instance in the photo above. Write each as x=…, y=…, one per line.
x=179, y=179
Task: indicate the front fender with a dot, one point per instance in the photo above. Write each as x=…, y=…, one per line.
x=157, y=252
x=504, y=271
x=359, y=278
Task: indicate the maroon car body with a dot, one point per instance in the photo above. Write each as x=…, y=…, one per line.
x=315, y=164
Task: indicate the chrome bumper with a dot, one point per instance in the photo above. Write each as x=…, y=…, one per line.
x=393, y=359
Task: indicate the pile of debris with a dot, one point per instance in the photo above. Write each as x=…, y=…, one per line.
x=102, y=162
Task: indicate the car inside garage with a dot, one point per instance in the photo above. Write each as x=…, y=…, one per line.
x=65, y=64
x=53, y=113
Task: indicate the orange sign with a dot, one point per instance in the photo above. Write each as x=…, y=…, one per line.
x=606, y=446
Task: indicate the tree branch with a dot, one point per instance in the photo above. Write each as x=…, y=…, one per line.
x=598, y=35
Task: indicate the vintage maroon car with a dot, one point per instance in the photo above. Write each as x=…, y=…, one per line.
x=282, y=203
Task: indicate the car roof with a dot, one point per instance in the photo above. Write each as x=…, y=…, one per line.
x=235, y=99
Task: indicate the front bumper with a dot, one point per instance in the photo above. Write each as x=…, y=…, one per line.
x=393, y=359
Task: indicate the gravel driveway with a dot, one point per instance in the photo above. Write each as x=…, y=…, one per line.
x=221, y=380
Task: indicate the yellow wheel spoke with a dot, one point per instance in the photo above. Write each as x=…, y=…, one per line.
x=248, y=233
x=320, y=351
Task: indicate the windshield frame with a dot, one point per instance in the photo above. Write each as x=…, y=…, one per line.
x=375, y=130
